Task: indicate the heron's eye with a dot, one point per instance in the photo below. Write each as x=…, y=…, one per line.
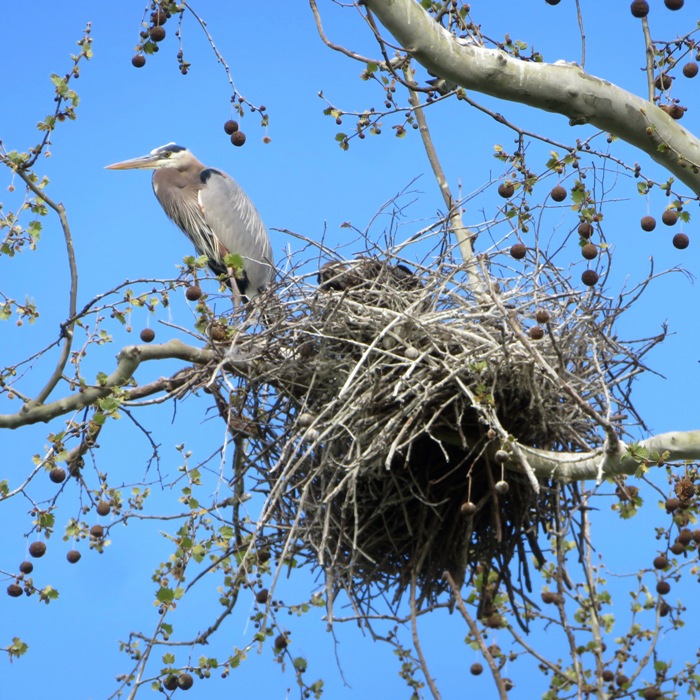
x=167, y=154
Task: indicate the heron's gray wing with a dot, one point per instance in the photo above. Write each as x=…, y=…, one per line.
x=235, y=222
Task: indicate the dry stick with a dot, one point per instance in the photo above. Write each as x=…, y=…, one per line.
x=535, y=654
x=500, y=685
x=330, y=44
x=67, y=328
x=649, y=51
x=588, y=569
x=455, y=217
x=561, y=566
x=582, y=31
x=416, y=641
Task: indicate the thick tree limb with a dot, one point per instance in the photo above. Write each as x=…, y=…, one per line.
x=571, y=466
x=563, y=88
x=128, y=361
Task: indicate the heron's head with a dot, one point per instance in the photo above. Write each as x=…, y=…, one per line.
x=169, y=156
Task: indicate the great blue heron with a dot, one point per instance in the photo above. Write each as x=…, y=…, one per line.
x=212, y=211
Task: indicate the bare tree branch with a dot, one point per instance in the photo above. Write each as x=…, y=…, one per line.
x=128, y=362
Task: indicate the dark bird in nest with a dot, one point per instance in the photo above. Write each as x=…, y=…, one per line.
x=364, y=273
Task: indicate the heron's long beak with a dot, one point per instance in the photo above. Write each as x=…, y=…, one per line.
x=149, y=161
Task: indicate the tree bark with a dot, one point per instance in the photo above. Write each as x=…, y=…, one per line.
x=572, y=466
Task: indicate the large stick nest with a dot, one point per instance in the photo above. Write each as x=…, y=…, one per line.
x=396, y=394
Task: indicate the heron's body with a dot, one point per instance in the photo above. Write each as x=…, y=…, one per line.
x=212, y=211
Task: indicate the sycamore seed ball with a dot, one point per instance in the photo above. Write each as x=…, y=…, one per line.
x=690, y=70
x=648, y=223
x=231, y=127
x=589, y=277
x=37, y=549
x=185, y=681
x=501, y=487
x=157, y=33
x=468, y=508
x=518, y=251
x=677, y=548
x=585, y=229
x=542, y=316
x=170, y=683
x=558, y=193
x=669, y=217
x=685, y=536
x=506, y=189
x=14, y=590
x=218, y=333
x=147, y=335
x=660, y=562
x=193, y=293
x=57, y=475
x=663, y=81
x=672, y=504
x=681, y=241
x=663, y=587
x=639, y=8
x=138, y=61
x=73, y=556
x=589, y=251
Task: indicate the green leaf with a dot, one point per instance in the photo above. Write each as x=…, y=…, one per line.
x=577, y=195
x=46, y=520
x=59, y=83
x=165, y=595
x=235, y=262
x=17, y=648
x=109, y=404
x=169, y=659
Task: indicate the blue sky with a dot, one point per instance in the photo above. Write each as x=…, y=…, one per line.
x=301, y=181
